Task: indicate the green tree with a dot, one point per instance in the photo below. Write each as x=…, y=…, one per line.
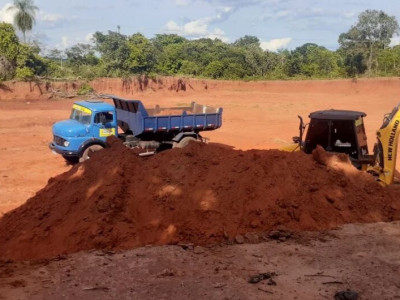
x=168, y=52
x=82, y=61
x=142, y=57
x=56, y=56
x=190, y=68
x=199, y=51
x=270, y=62
x=170, y=60
x=30, y=63
x=81, y=54
x=371, y=34
x=389, y=61
x=246, y=41
x=254, y=59
x=9, y=47
x=215, y=69
x=313, y=61
x=234, y=70
x=25, y=15
x=162, y=40
x=114, y=51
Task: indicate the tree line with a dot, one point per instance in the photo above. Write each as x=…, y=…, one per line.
x=364, y=51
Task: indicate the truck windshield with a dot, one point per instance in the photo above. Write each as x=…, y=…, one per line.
x=81, y=114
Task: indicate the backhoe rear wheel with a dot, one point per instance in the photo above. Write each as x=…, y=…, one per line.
x=88, y=151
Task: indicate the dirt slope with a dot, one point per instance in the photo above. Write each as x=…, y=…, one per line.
x=201, y=194
x=134, y=86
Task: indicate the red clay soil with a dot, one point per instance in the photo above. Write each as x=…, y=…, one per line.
x=201, y=194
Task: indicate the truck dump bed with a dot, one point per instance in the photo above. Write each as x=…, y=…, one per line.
x=132, y=116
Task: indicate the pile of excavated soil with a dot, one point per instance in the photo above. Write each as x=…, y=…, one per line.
x=201, y=194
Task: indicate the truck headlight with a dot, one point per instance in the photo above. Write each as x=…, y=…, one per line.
x=66, y=143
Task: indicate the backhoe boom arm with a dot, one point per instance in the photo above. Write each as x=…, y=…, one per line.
x=386, y=148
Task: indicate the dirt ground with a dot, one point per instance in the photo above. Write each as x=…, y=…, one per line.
x=258, y=115
x=362, y=258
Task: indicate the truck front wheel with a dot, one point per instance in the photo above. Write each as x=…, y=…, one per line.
x=86, y=154
x=71, y=160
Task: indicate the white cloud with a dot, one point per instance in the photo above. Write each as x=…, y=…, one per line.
x=243, y=3
x=275, y=44
x=317, y=11
x=64, y=42
x=67, y=41
x=282, y=13
x=223, y=13
x=47, y=17
x=182, y=2
x=200, y=28
x=395, y=41
x=196, y=29
x=6, y=14
x=226, y=9
x=89, y=37
x=218, y=34
x=349, y=15
x=171, y=26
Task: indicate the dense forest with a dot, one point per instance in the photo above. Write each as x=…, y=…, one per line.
x=364, y=51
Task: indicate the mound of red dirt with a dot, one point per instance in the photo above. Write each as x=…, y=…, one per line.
x=201, y=194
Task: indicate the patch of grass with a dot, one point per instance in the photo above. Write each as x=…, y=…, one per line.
x=85, y=89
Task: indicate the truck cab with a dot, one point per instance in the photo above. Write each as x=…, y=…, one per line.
x=90, y=123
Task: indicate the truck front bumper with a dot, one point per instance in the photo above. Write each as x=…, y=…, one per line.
x=53, y=147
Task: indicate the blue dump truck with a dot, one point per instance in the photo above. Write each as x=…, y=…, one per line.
x=153, y=130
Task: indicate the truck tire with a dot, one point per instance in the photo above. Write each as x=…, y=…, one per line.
x=71, y=160
x=184, y=142
x=88, y=151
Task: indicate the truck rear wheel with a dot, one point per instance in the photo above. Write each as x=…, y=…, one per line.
x=184, y=142
x=88, y=151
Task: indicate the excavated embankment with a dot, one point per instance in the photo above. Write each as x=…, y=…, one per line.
x=201, y=194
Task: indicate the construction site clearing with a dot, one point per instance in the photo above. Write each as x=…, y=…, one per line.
x=205, y=221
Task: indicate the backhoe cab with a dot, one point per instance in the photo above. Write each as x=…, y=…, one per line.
x=342, y=131
x=337, y=131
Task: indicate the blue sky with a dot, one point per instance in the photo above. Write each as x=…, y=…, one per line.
x=278, y=24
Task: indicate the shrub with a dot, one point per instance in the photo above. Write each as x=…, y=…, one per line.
x=85, y=89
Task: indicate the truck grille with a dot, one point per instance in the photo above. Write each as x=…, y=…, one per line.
x=58, y=140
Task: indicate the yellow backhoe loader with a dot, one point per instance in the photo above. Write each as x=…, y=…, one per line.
x=343, y=131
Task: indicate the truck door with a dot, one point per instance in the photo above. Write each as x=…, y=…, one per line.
x=104, y=124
